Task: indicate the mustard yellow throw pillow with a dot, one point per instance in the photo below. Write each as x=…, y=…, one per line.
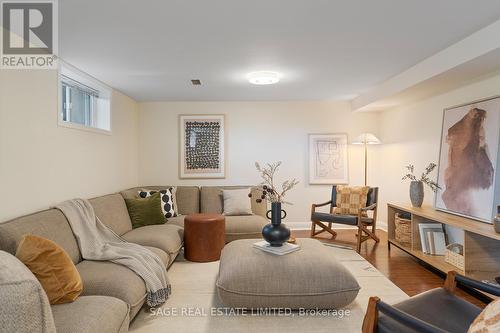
x=351, y=199
x=52, y=266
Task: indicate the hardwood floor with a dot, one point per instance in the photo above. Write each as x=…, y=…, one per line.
x=401, y=268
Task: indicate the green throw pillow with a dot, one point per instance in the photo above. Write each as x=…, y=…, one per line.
x=145, y=211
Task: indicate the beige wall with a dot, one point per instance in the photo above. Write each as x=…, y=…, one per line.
x=256, y=131
x=411, y=134
x=41, y=163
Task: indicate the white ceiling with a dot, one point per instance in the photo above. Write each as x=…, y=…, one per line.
x=325, y=49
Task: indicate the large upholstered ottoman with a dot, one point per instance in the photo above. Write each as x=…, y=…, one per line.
x=309, y=278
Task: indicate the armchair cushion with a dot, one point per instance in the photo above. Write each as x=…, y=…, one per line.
x=349, y=200
x=437, y=307
x=342, y=219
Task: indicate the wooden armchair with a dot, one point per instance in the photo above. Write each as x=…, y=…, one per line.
x=435, y=311
x=362, y=220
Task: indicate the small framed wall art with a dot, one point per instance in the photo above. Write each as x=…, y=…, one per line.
x=328, y=159
x=202, y=145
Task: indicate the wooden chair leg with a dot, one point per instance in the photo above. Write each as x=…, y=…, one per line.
x=313, y=228
x=371, y=316
x=323, y=229
x=359, y=239
x=370, y=234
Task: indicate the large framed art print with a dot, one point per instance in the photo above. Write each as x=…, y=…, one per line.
x=328, y=159
x=469, y=160
x=202, y=145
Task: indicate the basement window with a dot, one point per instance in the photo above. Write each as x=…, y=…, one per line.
x=85, y=103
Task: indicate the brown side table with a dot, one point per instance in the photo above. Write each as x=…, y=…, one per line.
x=204, y=237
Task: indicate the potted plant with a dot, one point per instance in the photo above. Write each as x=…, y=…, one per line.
x=417, y=185
x=276, y=233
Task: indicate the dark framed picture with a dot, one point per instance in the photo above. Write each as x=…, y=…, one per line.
x=468, y=161
x=202, y=143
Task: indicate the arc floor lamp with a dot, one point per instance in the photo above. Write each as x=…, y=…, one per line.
x=366, y=139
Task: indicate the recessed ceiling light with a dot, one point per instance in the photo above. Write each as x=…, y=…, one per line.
x=196, y=82
x=264, y=77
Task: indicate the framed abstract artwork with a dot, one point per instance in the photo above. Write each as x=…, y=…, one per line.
x=469, y=160
x=202, y=143
x=328, y=162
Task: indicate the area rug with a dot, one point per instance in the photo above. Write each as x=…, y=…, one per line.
x=194, y=305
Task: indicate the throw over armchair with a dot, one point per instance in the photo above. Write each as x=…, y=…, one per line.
x=366, y=224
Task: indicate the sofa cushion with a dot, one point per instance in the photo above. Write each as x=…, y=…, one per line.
x=187, y=197
x=24, y=305
x=50, y=224
x=211, y=200
x=92, y=314
x=167, y=237
x=178, y=220
x=165, y=258
x=112, y=211
x=237, y=227
x=52, y=267
x=102, y=277
x=309, y=278
x=243, y=227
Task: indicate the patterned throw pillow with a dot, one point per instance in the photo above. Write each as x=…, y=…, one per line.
x=351, y=199
x=488, y=320
x=168, y=200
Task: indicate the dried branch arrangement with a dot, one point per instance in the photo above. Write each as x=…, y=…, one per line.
x=425, y=176
x=269, y=190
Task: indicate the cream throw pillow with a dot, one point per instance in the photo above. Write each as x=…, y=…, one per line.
x=237, y=202
x=488, y=320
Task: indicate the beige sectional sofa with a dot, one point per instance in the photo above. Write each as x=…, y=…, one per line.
x=100, y=278
x=208, y=199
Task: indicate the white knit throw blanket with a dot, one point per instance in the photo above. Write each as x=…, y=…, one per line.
x=98, y=242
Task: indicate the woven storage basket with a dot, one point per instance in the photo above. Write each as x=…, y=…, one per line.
x=454, y=258
x=403, y=229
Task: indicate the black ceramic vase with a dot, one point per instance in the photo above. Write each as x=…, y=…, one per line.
x=276, y=233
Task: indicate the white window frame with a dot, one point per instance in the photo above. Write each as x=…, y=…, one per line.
x=105, y=93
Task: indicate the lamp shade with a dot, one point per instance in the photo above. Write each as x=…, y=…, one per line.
x=366, y=138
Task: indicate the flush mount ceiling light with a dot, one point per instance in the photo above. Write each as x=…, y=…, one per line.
x=263, y=78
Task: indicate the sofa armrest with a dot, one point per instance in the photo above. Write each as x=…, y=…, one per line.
x=25, y=306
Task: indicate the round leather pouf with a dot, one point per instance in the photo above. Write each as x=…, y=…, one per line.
x=204, y=237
